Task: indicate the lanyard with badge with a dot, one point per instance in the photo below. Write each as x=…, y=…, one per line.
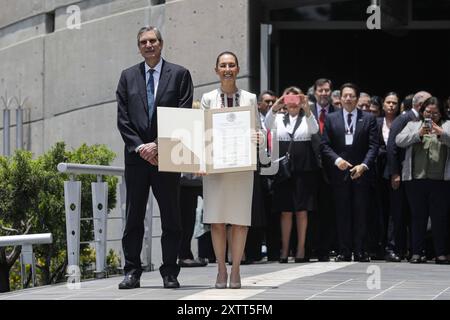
x=348, y=132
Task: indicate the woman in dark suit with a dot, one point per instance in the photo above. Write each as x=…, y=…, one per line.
x=297, y=195
x=384, y=191
x=426, y=172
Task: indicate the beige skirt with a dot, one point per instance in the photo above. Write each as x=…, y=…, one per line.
x=227, y=198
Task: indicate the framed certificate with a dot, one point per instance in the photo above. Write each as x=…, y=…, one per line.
x=210, y=141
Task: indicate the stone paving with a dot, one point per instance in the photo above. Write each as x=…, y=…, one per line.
x=271, y=281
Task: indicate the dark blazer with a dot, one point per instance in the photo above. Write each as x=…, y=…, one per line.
x=382, y=153
x=315, y=138
x=175, y=89
x=395, y=154
x=363, y=150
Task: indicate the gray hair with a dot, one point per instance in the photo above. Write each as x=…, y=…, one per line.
x=364, y=94
x=419, y=98
x=149, y=28
x=336, y=94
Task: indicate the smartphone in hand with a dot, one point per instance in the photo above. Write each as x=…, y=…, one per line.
x=292, y=99
x=427, y=123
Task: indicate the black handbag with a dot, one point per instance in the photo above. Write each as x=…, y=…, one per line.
x=284, y=169
x=285, y=165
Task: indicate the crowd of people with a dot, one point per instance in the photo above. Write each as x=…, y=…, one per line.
x=369, y=178
x=382, y=177
x=361, y=177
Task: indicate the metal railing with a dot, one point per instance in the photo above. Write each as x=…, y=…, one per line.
x=26, y=241
x=72, y=197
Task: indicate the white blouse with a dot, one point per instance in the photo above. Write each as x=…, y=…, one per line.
x=385, y=130
x=305, y=130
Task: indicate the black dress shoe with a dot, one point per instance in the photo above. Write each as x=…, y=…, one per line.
x=392, y=257
x=192, y=263
x=361, y=257
x=170, y=282
x=418, y=259
x=342, y=258
x=301, y=260
x=324, y=258
x=130, y=282
x=441, y=260
x=283, y=260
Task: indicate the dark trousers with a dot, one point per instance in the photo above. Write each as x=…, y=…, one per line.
x=205, y=247
x=352, y=204
x=428, y=198
x=272, y=234
x=188, y=206
x=399, y=212
x=165, y=187
x=253, y=244
x=323, y=221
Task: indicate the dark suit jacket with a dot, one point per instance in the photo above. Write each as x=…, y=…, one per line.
x=395, y=154
x=363, y=150
x=315, y=138
x=381, y=160
x=175, y=89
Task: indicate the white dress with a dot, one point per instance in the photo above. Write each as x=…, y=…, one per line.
x=228, y=196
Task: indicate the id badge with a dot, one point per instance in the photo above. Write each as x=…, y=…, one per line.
x=348, y=139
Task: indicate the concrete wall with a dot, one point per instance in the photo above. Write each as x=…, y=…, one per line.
x=70, y=76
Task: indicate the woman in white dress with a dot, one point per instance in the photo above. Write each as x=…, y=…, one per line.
x=228, y=196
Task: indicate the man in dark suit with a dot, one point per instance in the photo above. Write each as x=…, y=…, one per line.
x=395, y=156
x=154, y=82
x=322, y=224
x=349, y=147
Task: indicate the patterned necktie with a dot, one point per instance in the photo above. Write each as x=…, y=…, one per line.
x=349, y=123
x=150, y=94
x=322, y=120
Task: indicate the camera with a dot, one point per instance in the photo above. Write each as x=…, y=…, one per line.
x=427, y=123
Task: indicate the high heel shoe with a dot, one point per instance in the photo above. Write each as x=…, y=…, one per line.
x=235, y=284
x=221, y=283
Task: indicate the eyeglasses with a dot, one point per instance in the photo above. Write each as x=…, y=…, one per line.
x=350, y=97
x=433, y=114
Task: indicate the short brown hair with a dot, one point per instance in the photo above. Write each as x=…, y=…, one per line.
x=321, y=82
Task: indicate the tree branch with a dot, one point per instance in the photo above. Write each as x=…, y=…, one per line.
x=58, y=272
x=9, y=229
x=13, y=256
x=3, y=259
x=28, y=225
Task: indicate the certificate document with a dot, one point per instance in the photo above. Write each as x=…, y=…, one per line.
x=210, y=141
x=231, y=140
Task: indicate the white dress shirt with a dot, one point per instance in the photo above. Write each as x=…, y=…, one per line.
x=353, y=126
x=156, y=76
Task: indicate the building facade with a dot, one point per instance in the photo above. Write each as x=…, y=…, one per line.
x=61, y=59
